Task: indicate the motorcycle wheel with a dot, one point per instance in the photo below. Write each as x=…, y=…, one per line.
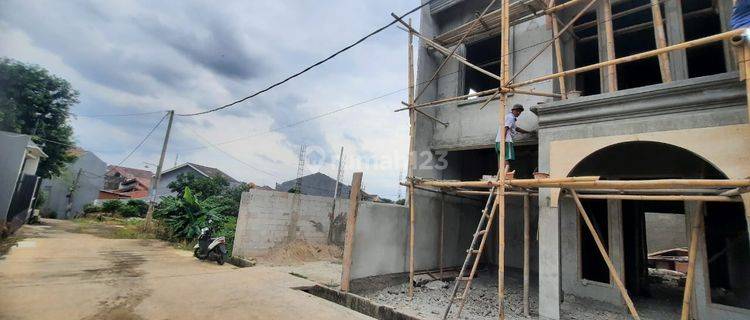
x=220, y=259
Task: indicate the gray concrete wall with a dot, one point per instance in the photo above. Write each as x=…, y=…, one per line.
x=12, y=152
x=90, y=182
x=264, y=219
x=665, y=231
x=166, y=178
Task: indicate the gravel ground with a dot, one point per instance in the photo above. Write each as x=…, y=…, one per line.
x=431, y=299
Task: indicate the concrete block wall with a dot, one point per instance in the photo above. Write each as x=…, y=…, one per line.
x=265, y=216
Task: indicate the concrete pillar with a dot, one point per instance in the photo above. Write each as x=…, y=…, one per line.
x=700, y=297
x=675, y=34
x=549, y=258
x=724, y=7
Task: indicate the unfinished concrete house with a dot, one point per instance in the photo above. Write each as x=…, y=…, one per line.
x=642, y=137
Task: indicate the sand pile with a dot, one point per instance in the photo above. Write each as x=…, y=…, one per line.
x=301, y=251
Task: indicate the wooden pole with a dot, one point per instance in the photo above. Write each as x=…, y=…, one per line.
x=411, y=241
x=746, y=66
x=526, y=251
x=605, y=256
x=351, y=224
x=696, y=225
x=500, y=199
x=157, y=177
x=610, y=70
x=661, y=41
x=634, y=57
x=558, y=53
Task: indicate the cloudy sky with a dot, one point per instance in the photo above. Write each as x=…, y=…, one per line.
x=142, y=56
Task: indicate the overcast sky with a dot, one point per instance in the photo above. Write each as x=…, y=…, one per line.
x=142, y=56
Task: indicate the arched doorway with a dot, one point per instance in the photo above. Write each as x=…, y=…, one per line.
x=638, y=229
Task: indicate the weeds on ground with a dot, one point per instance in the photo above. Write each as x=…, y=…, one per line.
x=7, y=243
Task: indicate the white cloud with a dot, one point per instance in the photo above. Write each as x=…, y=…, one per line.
x=144, y=56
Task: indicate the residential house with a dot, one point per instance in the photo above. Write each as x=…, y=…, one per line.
x=75, y=187
x=19, y=159
x=126, y=183
x=171, y=174
x=319, y=184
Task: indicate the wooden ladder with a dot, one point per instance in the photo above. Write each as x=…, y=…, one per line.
x=483, y=228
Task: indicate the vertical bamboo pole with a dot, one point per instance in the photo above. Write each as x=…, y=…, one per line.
x=746, y=67
x=558, y=51
x=411, y=240
x=610, y=44
x=612, y=271
x=500, y=200
x=526, y=251
x=696, y=225
x=412, y=132
x=351, y=224
x=661, y=41
x=442, y=230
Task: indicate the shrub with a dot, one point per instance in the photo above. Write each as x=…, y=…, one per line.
x=128, y=211
x=140, y=206
x=91, y=208
x=111, y=206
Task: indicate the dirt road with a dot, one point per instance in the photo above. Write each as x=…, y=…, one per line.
x=58, y=273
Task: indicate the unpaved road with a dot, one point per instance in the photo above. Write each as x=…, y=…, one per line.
x=57, y=273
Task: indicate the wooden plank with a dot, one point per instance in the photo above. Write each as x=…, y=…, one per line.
x=351, y=223
x=634, y=57
x=661, y=41
x=613, y=272
x=696, y=225
x=526, y=253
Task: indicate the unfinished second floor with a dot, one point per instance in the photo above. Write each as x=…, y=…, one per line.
x=698, y=78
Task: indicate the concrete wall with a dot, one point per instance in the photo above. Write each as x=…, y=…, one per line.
x=12, y=153
x=706, y=116
x=90, y=182
x=265, y=217
x=166, y=178
x=665, y=231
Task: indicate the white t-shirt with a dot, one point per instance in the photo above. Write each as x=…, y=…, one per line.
x=510, y=122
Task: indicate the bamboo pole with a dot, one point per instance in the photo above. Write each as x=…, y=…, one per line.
x=442, y=231
x=445, y=50
x=561, y=6
x=661, y=41
x=526, y=253
x=558, y=52
x=622, y=196
x=593, y=183
x=634, y=57
x=613, y=272
x=610, y=70
x=479, y=94
x=695, y=229
x=620, y=14
x=351, y=224
x=502, y=168
x=746, y=66
x=411, y=241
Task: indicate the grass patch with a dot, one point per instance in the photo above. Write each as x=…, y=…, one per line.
x=114, y=227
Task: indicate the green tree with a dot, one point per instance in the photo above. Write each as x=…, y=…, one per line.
x=34, y=102
x=213, y=189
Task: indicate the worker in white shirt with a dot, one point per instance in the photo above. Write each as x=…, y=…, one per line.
x=510, y=131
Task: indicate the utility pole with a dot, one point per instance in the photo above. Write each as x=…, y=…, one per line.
x=152, y=202
x=72, y=191
x=332, y=216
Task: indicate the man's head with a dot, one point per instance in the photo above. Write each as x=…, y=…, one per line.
x=516, y=110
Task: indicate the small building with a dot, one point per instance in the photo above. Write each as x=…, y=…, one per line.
x=197, y=170
x=19, y=160
x=77, y=186
x=319, y=184
x=126, y=183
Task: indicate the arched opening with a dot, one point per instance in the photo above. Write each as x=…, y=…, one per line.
x=647, y=231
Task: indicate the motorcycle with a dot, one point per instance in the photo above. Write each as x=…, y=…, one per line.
x=210, y=248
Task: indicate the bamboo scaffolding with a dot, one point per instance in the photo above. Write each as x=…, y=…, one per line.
x=526, y=252
x=479, y=94
x=615, y=16
x=609, y=72
x=500, y=199
x=647, y=25
x=634, y=57
x=612, y=271
x=695, y=229
x=558, y=51
x=412, y=133
x=593, y=183
x=661, y=41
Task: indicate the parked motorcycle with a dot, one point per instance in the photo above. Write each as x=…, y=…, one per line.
x=210, y=248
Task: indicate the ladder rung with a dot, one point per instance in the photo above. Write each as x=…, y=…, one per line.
x=472, y=251
x=481, y=232
x=459, y=298
x=464, y=278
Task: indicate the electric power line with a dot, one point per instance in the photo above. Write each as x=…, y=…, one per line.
x=143, y=141
x=116, y=114
x=378, y=30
